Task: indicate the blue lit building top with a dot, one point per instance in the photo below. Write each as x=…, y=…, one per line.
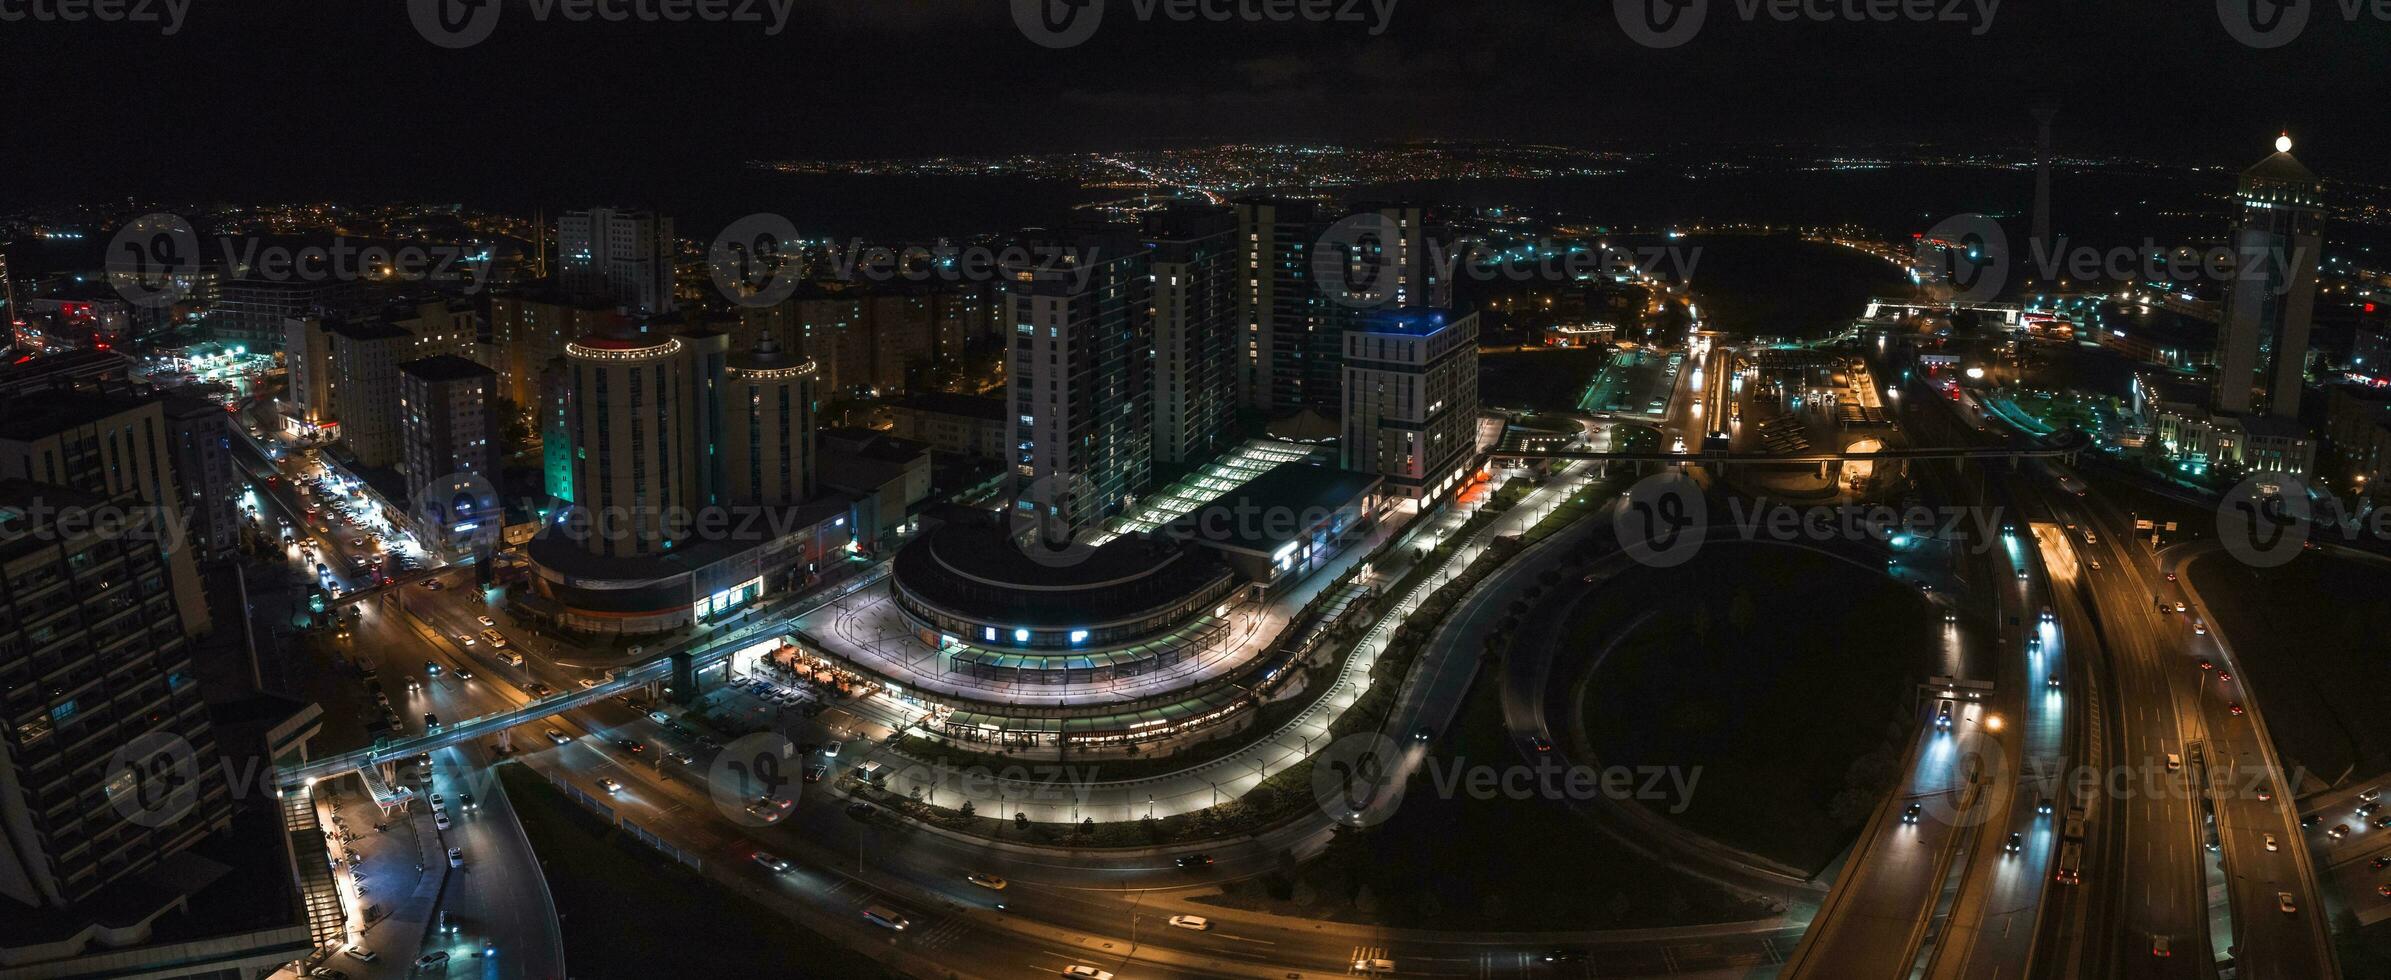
x=1420, y=322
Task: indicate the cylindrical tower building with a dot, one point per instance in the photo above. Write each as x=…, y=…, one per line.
x=768, y=427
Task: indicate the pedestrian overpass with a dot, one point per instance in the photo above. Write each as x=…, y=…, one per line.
x=677, y=669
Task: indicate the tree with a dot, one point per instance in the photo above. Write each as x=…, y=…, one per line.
x=1087, y=826
x=1305, y=894
x=968, y=810
x=1021, y=821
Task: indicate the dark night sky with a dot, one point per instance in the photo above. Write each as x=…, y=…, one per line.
x=287, y=100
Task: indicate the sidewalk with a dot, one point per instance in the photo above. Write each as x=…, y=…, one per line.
x=393, y=877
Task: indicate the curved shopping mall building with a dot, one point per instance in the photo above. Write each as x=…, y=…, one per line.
x=1019, y=612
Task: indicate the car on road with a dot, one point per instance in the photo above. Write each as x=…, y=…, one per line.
x=2270, y=842
x=437, y=801
x=456, y=857
x=440, y=820
x=586, y=683
x=2367, y=809
x=631, y=745
x=769, y=809
x=831, y=750
x=2339, y=831
x=888, y=918
x=359, y=953
x=2052, y=683
x=2283, y=901
x=487, y=622
x=1541, y=743
x=2265, y=792
x=431, y=667
x=1194, y=861
x=2205, y=665
x=814, y=773
x=1195, y=922
x=772, y=862
x=1423, y=734
x=1086, y=972
x=558, y=737
x=681, y=757
x=465, y=639
x=465, y=802
x=608, y=784
x=2159, y=947
x=327, y=973
x=2174, y=761
x=432, y=585
x=985, y=881
x=431, y=722
x=2234, y=707
x=537, y=689
x=434, y=960
x=1909, y=814
x=2016, y=843
x=2199, y=627
x=2179, y=606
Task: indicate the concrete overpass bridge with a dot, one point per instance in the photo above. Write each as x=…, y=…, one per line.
x=676, y=668
x=2011, y=313
x=2061, y=446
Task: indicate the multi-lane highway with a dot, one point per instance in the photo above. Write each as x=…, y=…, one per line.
x=2178, y=743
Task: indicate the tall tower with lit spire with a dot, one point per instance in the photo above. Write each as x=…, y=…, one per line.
x=2262, y=344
